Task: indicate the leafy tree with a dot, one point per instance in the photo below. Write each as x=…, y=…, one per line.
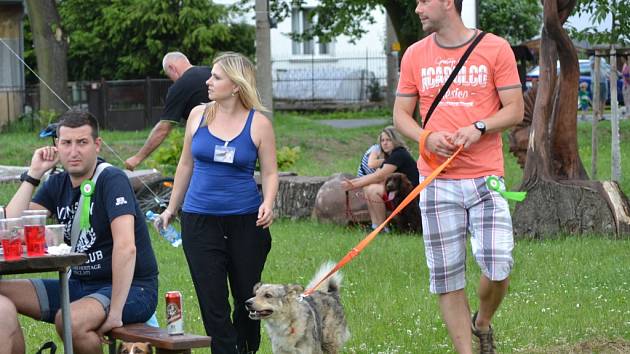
x=123, y=39
x=598, y=10
x=516, y=20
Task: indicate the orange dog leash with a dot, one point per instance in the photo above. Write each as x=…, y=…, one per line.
x=416, y=191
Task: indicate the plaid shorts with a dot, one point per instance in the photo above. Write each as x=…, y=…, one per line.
x=450, y=208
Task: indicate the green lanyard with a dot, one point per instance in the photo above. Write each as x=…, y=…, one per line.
x=87, y=189
x=494, y=184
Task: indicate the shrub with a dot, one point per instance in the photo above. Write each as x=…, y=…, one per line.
x=287, y=157
x=166, y=157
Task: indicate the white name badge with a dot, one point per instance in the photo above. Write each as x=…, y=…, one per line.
x=224, y=154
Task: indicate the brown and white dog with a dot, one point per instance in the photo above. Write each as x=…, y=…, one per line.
x=315, y=324
x=135, y=348
x=397, y=186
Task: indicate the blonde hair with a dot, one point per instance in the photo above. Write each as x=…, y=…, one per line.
x=394, y=135
x=242, y=73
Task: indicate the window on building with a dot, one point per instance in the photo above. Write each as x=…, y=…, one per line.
x=300, y=22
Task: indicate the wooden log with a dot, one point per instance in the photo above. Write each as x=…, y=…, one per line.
x=296, y=194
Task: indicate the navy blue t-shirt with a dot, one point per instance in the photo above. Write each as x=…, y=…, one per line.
x=113, y=197
x=404, y=162
x=186, y=93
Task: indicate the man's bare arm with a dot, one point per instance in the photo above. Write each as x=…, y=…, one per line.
x=438, y=142
x=158, y=134
x=403, y=117
x=123, y=267
x=43, y=160
x=510, y=114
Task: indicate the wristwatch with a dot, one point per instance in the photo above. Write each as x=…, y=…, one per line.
x=481, y=126
x=24, y=177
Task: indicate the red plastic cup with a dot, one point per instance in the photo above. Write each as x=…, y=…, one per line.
x=35, y=234
x=11, y=236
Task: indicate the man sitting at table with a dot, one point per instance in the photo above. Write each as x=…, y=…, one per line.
x=118, y=283
x=10, y=333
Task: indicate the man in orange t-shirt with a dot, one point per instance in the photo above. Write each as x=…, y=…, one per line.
x=484, y=99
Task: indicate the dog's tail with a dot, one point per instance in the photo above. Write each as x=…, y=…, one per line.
x=332, y=284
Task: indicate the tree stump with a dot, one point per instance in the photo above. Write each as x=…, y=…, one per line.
x=560, y=197
x=577, y=207
x=334, y=205
x=296, y=195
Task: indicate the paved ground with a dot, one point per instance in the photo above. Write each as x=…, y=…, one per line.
x=355, y=123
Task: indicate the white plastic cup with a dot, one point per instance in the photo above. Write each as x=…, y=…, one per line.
x=28, y=212
x=54, y=234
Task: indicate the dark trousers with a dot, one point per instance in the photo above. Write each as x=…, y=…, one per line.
x=218, y=249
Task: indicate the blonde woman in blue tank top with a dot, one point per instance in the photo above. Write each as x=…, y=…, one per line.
x=225, y=221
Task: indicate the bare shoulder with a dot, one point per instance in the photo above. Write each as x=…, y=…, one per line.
x=261, y=121
x=195, y=116
x=197, y=112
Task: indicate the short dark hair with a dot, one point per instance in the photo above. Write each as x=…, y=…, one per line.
x=458, y=6
x=75, y=119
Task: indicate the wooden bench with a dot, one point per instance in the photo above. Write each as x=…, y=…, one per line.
x=158, y=337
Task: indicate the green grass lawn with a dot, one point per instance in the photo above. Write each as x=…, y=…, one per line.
x=563, y=291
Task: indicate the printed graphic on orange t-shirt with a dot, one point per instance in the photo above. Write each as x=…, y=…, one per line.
x=471, y=97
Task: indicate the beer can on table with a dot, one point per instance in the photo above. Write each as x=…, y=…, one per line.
x=174, y=313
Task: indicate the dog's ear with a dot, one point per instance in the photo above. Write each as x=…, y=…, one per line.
x=149, y=348
x=256, y=287
x=123, y=348
x=295, y=289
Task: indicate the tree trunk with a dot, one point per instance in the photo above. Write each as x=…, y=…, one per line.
x=51, y=49
x=407, y=32
x=263, y=56
x=554, y=208
x=392, y=63
x=560, y=199
x=615, y=172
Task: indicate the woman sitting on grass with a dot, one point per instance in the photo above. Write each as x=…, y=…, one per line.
x=397, y=159
x=372, y=159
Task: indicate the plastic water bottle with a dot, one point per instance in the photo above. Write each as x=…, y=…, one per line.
x=169, y=233
x=153, y=321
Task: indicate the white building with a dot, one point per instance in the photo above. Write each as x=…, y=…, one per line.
x=341, y=70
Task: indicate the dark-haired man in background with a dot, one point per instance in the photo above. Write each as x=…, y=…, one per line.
x=118, y=283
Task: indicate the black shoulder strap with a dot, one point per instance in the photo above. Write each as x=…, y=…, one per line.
x=451, y=78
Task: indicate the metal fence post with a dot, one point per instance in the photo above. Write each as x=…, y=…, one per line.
x=148, y=101
x=313, y=76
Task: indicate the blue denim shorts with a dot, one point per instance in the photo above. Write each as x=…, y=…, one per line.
x=140, y=305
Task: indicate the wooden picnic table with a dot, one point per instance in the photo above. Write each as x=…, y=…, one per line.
x=50, y=263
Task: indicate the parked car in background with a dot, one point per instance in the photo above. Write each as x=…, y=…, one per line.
x=585, y=76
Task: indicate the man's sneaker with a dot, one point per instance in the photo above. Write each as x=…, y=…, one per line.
x=486, y=340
